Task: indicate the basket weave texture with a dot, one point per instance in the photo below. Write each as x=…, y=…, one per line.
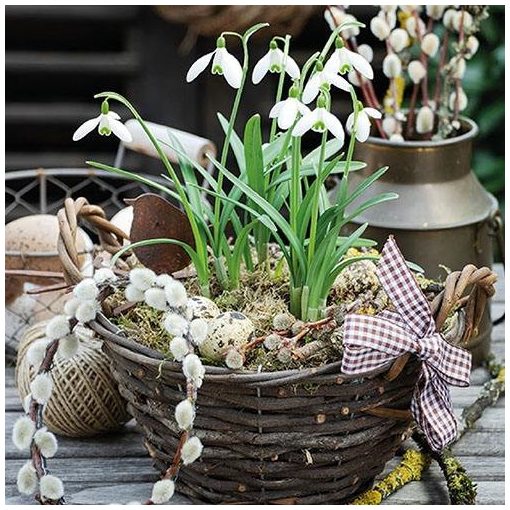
x=310, y=436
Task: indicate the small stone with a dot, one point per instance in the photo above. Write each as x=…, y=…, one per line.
x=272, y=341
x=283, y=321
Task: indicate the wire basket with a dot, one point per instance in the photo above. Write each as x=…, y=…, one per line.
x=43, y=191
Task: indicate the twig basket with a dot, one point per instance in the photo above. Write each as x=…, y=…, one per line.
x=301, y=436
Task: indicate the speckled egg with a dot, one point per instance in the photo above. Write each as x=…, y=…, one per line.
x=229, y=329
x=203, y=308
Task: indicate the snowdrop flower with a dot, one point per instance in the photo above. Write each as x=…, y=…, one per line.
x=104, y=275
x=354, y=79
x=156, y=298
x=191, y=450
x=179, y=348
x=133, y=294
x=176, y=294
x=86, y=290
x=58, y=327
x=430, y=44
x=389, y=125
x=323, y=77
x=162, y=280
x=87, y=311
x=416, y=71
x=51, y=487
x=458, y=67
x=198, y=331
x=399, y=39
x=175, y=325
x=392, y=66
x=142, y=278
x=27, y=479
x=343, y=60
x=273, y=61
x=380, y=28
x=47, y=442
x=22, y=432
x=435, y=11
x=363, y=122
x=472, y=45
x=41, y=388
x=287, y=111
x=193, y=369
x=336, y=16
x=223, y=63
x=320, y=120
x=184, y=414
x=71, y=306
x=424, y=120
x=68, y=346
x=462, y=101
x=37, y=352
x=162, y=491
x=108, y=122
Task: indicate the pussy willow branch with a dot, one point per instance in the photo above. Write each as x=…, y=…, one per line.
x=440, y=67
x=457, y=79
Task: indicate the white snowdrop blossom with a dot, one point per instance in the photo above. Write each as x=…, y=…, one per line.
x=424, y=120
x=287, y=111
x=27, y=479
x=175, y=325
x=22, y=432
x=399, y=39
x=392, y=66
x=435, y=11
x=354, y=78
x=193, y=369
x=343, y=60
x=198, y=331
x=430, y=45
x=462, y=101
x=41, y=388
x=184, y=414
x=380, y=28
x=68, y=346
x=142, y=278
x=162, y=280
x=320, y=120
x=58, y=327
x=472, y=45
x=363, y=122
x=223, y=63
x=87, y=311
x=335, y=16
x=133, y=294
x=47, y=442
x=107, y=122
x=156, y=298
x=179, y=348
x=274, y=61
x=71, y=306
x=162, y=491
x=176, y=294
x=416, y=71
x=36, y=352
x=104, y=275
x=51, y=487
x=86, y=290
x=191, y=450
x=323, y=78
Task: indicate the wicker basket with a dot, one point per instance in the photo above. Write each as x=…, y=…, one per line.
x=295, y=436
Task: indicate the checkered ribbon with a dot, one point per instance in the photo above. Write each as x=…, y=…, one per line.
x=371, y=342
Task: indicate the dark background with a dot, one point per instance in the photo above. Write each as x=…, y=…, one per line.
x=57, y=57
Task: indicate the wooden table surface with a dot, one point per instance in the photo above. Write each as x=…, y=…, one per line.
x=117, y=469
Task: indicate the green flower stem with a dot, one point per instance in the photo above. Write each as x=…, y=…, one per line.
x=200, y=246
x=315, y=203
x=281, y=81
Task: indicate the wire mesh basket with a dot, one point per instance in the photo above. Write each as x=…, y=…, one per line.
x=43, y=191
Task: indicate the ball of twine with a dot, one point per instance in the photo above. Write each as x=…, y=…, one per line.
x=85, y=399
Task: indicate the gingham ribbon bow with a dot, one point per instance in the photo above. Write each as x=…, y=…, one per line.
x=371, y=342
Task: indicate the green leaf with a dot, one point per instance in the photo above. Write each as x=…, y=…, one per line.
x=235, y=143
